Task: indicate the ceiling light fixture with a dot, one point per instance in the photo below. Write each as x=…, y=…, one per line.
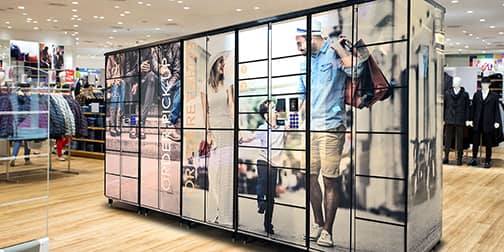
x=24, y=14
x=158, y=29
x=464, y=31
x=148, y=36
x=79, y=19
x=35, y=28
x=501, y=33
x=55, y=20
x=119, y=23
x=454, y=1
x=466, y=47
x=74, y=10
x=66, y=32
x=256, y=8
x=9, y=27
x=49, y=20
x=140, y=2
x=127, y=12
x=77, y=39
x=482, y=20
x=492, y=26
x=170, y=19
x=102, y=17
x=75, y=3
x=111, y=37
x=95, y=17
x=117, y=7
x=122, y=15
x=470, y=34
x=186, y=8
x=483, y=51
x=35, y=22
x=75, y=16
x=180, y=2
x=75, y=25
x=469, y=11
x=21, y=7
x=238, y=10
x=148, y=5
x=477, y=37
x=114, y=31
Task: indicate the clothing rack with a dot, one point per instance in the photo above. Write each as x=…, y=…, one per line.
x=8, y=158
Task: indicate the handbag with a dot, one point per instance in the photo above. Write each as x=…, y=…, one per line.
x=371, y=86
x=204, y=148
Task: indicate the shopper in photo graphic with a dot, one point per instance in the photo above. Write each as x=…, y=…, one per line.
x=169, y=71
x=266, y=191
x=220, y=115
x=331, y=64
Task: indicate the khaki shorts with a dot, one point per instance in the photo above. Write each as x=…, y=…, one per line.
x=326, y=149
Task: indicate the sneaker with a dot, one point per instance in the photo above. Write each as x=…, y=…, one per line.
x=12, y=163
x=325, y=239
x=487, y=165
x=27, y=162
x=261, y=207
x=174, y=136
x=473, y=162
x=61, y=158
x=315, y=232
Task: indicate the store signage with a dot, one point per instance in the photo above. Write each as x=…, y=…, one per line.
x=69, y=78
x=166, y=180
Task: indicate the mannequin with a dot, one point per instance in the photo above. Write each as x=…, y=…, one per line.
x=485, y=119
x=456, y=114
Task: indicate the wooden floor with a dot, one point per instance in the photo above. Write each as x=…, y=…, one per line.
x=81, y=220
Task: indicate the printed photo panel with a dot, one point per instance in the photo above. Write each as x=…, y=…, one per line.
x=382, y=21
x=372, y=236
x=169, y=170
x=195, y=67
x=253, y=43
x=253, y=87
x=170, y=92
x=120, y=90
x=284, y=41
x=384, y=155
x=149, y=88
x=194, y=174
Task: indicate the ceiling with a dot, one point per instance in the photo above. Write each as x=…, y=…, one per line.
x=97, y=26
x=474, y=26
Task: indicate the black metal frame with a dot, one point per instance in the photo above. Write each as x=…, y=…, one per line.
x=353, y=131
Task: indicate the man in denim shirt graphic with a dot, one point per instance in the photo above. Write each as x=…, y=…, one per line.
x=331, y=64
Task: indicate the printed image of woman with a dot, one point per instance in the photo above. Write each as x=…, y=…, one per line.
x=220, y=115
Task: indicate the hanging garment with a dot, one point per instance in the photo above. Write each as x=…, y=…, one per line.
x=57, y=120
x=6, y=121
x=80, y=120
x=67, y=114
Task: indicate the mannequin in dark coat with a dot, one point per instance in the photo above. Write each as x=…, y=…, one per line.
x=456, y=114
x=485, y=117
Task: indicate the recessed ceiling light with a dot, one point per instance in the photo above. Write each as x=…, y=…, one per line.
x=75, y=2
x=148, y=4
x=148, y=36
x=35, y=22
x=21, y=7
x=469, y=11
x=458, y=43
x=9, y=27
x=122, y=15
x=470, y=34
x=35, y=28
x=157, y=29
x=75, y=25
x=49, y=20
x=483, y=51
x=466, y=47
x=76, y=32
x=492, y=26
x=117, y=7
x=77, y=42
x=460, y=50
x=28, y=21
x=140, y=2
x=127, y=12
x=79, y=19
x=180, y=1
x=66, y=32
x=74, y=10
x=119, y=23
x=72, y=19
x=483, y=40
x=464, y=31
x=170, y=19
x=501, y=33
x=75, y=16
x=186, y=8
x=7, y=22
x=102, y=17
x=24, y=14
x=73, y=34
x=114, y=31
x=454, y=1
x=489, y=43
x=482, y=20
x=95, y=17
x=77, y=39
x=256, y=8
x=238, y=10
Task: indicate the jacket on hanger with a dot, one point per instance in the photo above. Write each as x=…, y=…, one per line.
x=57, y=121
x=6, y=121
x=80, y=120
x=456, y=107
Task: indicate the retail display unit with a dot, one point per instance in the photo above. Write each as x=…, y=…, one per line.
x=250, y=128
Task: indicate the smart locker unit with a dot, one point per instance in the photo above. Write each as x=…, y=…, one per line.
x=251, y=127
